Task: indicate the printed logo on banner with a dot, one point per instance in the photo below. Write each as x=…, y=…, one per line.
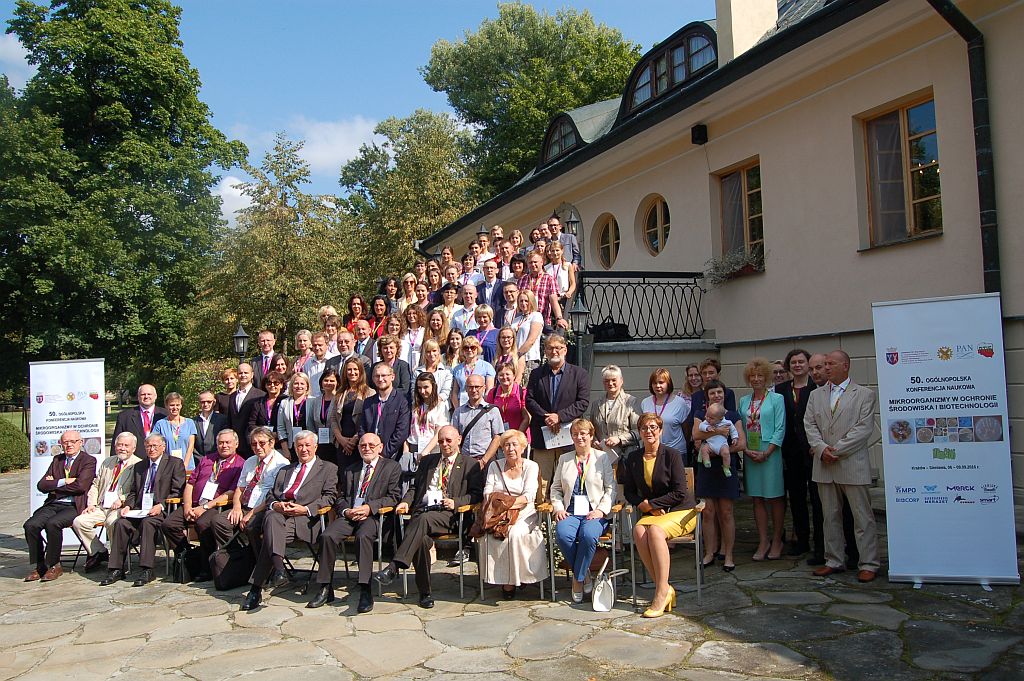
x=989, y=500
x=892, y=356
x=932, y=489
x=986, y=350
x=906, y=490
x=936, y=500
x=989, y=487
x=907, y=500
x=959, y=488
x=960, y=500
x=39, y=398
x=945, y=353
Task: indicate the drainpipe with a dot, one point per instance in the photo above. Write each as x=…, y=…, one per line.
x=982, y=138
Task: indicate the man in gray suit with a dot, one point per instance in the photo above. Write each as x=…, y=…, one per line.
x=839, y=422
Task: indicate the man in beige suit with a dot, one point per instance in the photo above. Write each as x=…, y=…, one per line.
x=839, y=422
x=105, y=496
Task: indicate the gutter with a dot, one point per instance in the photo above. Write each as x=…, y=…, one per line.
x=982, y=138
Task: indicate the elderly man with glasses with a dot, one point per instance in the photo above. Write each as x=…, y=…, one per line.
x=66, y=485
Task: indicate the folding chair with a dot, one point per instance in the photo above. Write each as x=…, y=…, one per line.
x=609, y=537
x=313, y=552
x=384, y=510
x=544, y=508
x=695, y=539
x=101, y=528
x=462, y=511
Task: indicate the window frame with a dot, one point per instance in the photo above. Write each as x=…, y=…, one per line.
x=605, y=244
x=656, y=203
x=912, y=232
x=664, y=55
x=743, y=170
x=560, y=128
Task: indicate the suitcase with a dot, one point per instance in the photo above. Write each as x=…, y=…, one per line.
x=232, y=565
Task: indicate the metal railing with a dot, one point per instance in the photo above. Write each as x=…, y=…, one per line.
x=653, y=305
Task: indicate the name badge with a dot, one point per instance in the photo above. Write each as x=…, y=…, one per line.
x=504, y=425
x=209, y=490
x=358, y=501
x=323, y=436
x=580, y=504
x=147, y=502
x=178, y=453
x=754, y=440
x=109, y=498
x=434, y=498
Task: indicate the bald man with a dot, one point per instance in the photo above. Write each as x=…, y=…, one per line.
x=138, y=420
x=366, y=487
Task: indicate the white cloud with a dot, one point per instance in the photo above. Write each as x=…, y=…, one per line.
x=232, y=198
x=13, y=61
x=330, y=144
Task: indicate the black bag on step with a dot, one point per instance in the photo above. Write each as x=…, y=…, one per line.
x=232, y=565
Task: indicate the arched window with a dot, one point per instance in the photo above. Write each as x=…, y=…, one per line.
x=655, y=225
x=561, y=139
x=607, y=241
x=684, y=56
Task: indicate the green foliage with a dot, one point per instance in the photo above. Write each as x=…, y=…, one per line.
x=14, y=447
x=291, y=253
x=105, y=192
x=199, y=376
x=416, y=181
x=516, y=72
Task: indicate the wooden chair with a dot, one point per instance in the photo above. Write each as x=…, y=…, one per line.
x=450, y=538
x=610, y=537
x=695, y=539
x=384, y=510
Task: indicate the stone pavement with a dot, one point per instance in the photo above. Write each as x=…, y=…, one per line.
x=764, y=621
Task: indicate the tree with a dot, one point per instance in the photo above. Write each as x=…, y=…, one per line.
x=516, y=72
x=411, y=184
x=115, y=148
x=289, y=254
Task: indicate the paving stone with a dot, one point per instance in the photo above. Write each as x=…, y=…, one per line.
x=670, y=627
x=240, y=639
x=470, y=661
x=546, y=639
x=1009, y=668
x=751, y=658
x=14, y=635
x=581, y=614
x=332, y=672
x=206, y=608
x=565, y=668
x=169, y=653
x=486, y=676
x=623, y=649
x=957, y=647
x=57, y=611
x=441, y=610
x=772, y=583
x=478, y=631
x=271, y=616
x=69, y=588
x=792, y=597
x=379, y=623
x=858, y=656
x=928, y=606
x=13, y=663
x=286, y=654
x=379, y=654
x=999, y=599
x=709, y=675
x=418, y=673
x=879, y=615
x=103, y=629
x=123, y=593
x=318, y=627
x=94, y=661
x=485, y=606
x=715, y=599
x=186, y=628
x=858, y=595
x=777, y=623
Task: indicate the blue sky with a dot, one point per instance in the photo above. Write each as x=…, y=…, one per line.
x=326, y=71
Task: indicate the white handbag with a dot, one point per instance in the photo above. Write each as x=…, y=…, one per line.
x=603, y=597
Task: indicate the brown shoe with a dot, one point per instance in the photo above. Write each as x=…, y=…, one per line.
x=52, y=574
x=865, y=576
x=33, y=576
x=826, y=570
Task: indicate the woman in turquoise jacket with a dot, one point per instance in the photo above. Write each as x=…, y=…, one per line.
x=764, y=424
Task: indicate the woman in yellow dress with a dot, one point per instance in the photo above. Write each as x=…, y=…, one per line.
x=654, y=481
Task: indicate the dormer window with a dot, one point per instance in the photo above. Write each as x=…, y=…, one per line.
x=561, y=139
x=684, y=56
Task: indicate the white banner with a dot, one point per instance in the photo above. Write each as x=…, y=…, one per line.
x=946, y=440
x=65, y=395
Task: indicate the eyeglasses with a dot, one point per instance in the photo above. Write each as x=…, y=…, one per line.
x=65, y=443
x=369, y=445
x=650, y=427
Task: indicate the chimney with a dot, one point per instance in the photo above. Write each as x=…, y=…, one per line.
x=741, y=23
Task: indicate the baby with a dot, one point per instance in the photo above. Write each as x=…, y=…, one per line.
x=715, y=419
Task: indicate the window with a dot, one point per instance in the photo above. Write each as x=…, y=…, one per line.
x=561, y=139
x=742, y=219
x=903, y=174
x=683, y=56
x=607, y=241
x=656, y=226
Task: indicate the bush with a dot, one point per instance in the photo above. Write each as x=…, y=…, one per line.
x=196, y=377
x=14, y=449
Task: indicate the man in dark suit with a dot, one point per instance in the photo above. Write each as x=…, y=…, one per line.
x=154, y=479
x=568, y=241
x=243, y=401
x=444, y=482
x=347, y=350
x=364, y=344
x=365, y=488
x=66, y=484
x=208, y=424
x=300, y=491
x=387, y=413
x=263, y=363
x=796, y=452
x=557, y=393
x=139, y=420
x=491, y=292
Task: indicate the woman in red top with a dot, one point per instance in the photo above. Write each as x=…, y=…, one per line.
x=510, y=399
x=378, y=315
x=356, y=311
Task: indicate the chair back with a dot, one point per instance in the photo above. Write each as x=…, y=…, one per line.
x=690, y=484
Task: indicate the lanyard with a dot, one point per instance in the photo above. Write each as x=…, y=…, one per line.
x=117, y=475
x=68, y=464
x=581, y=470
x=754, y=413
x=446, y=469
x=380, y=408
x=366, y=480
x=218, y=466
x=176, y=431
x=325, y=406
x=421, y=418
x=297, y=411
x=487, y=334
x=270, y=408
x=668, y=398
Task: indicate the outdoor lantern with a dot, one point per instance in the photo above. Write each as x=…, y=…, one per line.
x=241, y=340
x=578, y=315
x=572, y=224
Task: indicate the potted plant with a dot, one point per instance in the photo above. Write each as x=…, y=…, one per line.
x=736, y=263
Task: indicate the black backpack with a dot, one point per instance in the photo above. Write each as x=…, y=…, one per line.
x=232, y=565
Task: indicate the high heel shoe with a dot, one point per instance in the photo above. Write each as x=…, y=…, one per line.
x=670, y=603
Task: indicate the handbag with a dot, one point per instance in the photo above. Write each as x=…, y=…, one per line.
x=610, y=331
x=187, y=565
x=497, y=514
x=603, y=597
x=232, y=565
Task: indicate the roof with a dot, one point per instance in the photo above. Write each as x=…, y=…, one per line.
x=594, y=120
x=800, y=22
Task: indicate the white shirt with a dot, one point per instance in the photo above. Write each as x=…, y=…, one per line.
x=274, y=462
x=837, y=392
x=240, y=396
x=358, y=500
x=464, y=318
x=435, y=480
x=314, y=369
x=298, y=467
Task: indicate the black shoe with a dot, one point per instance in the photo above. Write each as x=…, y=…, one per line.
x=798, y=549
x=508, y=594
x=816, y=560
x=113, y=576
x=366, y=601
x=145, y=577
x=278, y=579
x=323, y=597
x=252, y=599
x=95, y=561
x=426, y=601
x=203, y=577
x=387, y=575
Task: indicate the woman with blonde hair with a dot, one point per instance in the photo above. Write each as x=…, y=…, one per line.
x=615, y=415
x=432, y=363
x=528, y=324
x=437, y=327
x=291, y=416
x=229, y=377
x=471, y=364
x=507, y=352
x=347, y=409
x=408, y=291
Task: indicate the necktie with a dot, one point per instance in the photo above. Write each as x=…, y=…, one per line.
x=367, y=474
x=117, y=475
x=252, y=484
x=147, y=422
x=266, y=365
x=150, y=477
x=446, y=468
x=289, y=495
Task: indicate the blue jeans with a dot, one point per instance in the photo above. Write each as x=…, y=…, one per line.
x=577, y=537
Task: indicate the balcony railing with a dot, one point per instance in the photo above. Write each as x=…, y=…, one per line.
x=654, y=306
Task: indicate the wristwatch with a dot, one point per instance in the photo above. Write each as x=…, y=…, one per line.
x=206, y=507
